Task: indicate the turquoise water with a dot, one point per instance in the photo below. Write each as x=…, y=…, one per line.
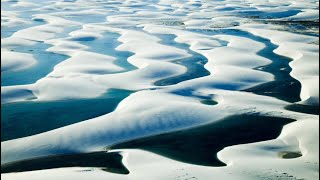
x=107, y=45
x=45, y=64
x=29, y=118
x=27, y=16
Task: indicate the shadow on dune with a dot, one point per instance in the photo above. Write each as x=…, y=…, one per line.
x=110, y=162
x=200, y=145
x=308, y=109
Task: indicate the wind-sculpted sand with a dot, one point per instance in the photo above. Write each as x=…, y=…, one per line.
x=159, y=89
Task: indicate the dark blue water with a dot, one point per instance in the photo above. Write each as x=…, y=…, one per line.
x=194, y=64
x=284, y=86
x=268, y=15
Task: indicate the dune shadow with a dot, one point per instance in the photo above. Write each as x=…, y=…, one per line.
x=110, y=162
x=308, y=109
x=200, y=145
